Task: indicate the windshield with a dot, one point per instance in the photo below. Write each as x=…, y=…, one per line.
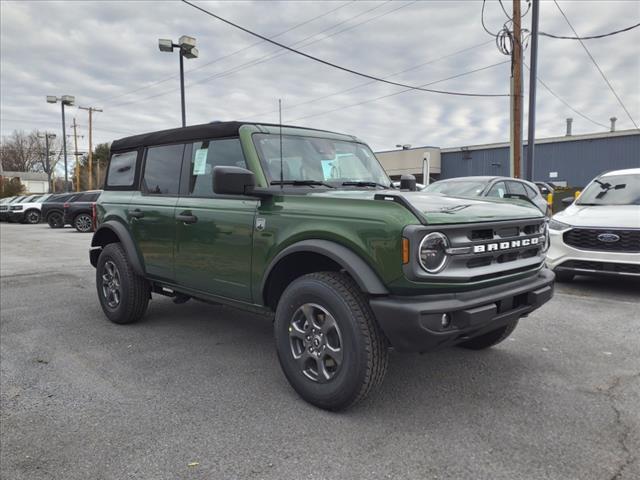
x=612, y=190
x=314, y=159
x=457, y=188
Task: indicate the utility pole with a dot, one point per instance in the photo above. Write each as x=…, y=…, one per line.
x=91, y=110
x=76, y=153
x=46, y=163
x=516, y=94
x=533, y=83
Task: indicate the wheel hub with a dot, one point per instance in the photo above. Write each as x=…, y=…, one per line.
x=111, y=284
x=316, y=342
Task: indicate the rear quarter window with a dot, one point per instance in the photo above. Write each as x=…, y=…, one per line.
x=122, y=169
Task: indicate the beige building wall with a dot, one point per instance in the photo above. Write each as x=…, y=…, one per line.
x=399, y=162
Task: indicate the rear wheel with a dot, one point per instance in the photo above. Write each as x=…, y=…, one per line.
x=490, y=339
x=83, y=223
x=32, y=217
x=328, y=342
x=55, y=220
x=124, y=296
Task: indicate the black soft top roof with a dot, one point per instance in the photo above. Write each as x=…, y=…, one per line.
x=185, y=134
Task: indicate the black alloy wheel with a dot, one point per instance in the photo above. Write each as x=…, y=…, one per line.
x=55, y=220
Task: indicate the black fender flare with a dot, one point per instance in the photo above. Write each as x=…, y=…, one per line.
x=107, y=230
x=366, y=278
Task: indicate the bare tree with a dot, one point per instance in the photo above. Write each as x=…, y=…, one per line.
x=20, y=151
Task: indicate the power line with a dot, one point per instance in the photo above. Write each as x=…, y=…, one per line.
x=401, y=91
x=590, y=37
x=275, y=54
x=333, y=65
x=361, y=85
x=541, y=82
x=199, y=67
x=597, y=66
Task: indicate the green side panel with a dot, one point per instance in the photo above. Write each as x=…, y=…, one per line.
x=371, y=229
x=213, y=255
x=155, y=233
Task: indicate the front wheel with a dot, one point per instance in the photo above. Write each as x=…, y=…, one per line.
x=83, y=223
x=32, y=217
x=328, y=342
x=490, y=339
x=124, y=295
x=55, y=220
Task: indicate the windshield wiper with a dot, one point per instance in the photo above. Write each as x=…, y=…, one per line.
x=606, y=186
x=301, y=183
x=365, y=184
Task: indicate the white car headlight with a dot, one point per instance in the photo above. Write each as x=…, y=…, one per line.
x=556, y=225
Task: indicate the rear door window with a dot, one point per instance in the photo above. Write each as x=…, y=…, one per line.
x=122, y=169
x=498, y=190
x=517, y=188
x=531, y=193
x=162, y=170
x=207, y=155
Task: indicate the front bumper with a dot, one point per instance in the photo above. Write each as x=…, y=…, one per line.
x=414, y=324
x=17, y=217
x=562, y=257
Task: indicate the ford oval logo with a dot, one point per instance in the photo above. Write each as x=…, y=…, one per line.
x=608, y=237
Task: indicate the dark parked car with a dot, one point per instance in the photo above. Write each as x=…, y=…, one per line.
x=79, y=211
x=53, y=209
x=495, y=187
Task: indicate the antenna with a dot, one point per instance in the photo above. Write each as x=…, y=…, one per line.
x=281, y=163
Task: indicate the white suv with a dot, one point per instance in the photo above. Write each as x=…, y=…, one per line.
x=599, y=233
x=27, y=210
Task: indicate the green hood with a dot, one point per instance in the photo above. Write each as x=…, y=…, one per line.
x=440, y=209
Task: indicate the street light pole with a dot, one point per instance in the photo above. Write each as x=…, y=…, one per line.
x=186, y=48
x=64, y=150
x=533, y=80
x=184, y=115
x=64, y=100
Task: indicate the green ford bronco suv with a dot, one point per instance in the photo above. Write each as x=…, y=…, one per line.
x=305, y=225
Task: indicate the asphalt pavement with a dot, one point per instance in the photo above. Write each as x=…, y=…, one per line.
x=195, y=391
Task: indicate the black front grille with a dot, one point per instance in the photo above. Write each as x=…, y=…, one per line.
x=605, y=267
x=592, y=239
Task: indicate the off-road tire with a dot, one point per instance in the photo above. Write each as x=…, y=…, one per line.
x=564, y=277
x=32, y=217
x=491, y=338
x=134, y=289
x=364, y=347
x=55, y=220
x=83, y=223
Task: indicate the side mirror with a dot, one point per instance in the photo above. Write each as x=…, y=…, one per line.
x=408, y=182
x=233, y=181
x=567, y=201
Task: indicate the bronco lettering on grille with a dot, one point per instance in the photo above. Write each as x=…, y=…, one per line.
x=494, y=247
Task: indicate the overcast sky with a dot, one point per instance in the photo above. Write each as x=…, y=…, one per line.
x=106, y=54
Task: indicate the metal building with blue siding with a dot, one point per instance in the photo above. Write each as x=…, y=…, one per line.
x=574, y=159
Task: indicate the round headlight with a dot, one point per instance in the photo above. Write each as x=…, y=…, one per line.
x=433, y=252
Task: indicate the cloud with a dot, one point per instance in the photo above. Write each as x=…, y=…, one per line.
x=100, y=51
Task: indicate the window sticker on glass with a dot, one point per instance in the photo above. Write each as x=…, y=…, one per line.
x=200, y=162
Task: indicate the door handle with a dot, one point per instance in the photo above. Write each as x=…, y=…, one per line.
x=137, y=213
x=186, y=217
